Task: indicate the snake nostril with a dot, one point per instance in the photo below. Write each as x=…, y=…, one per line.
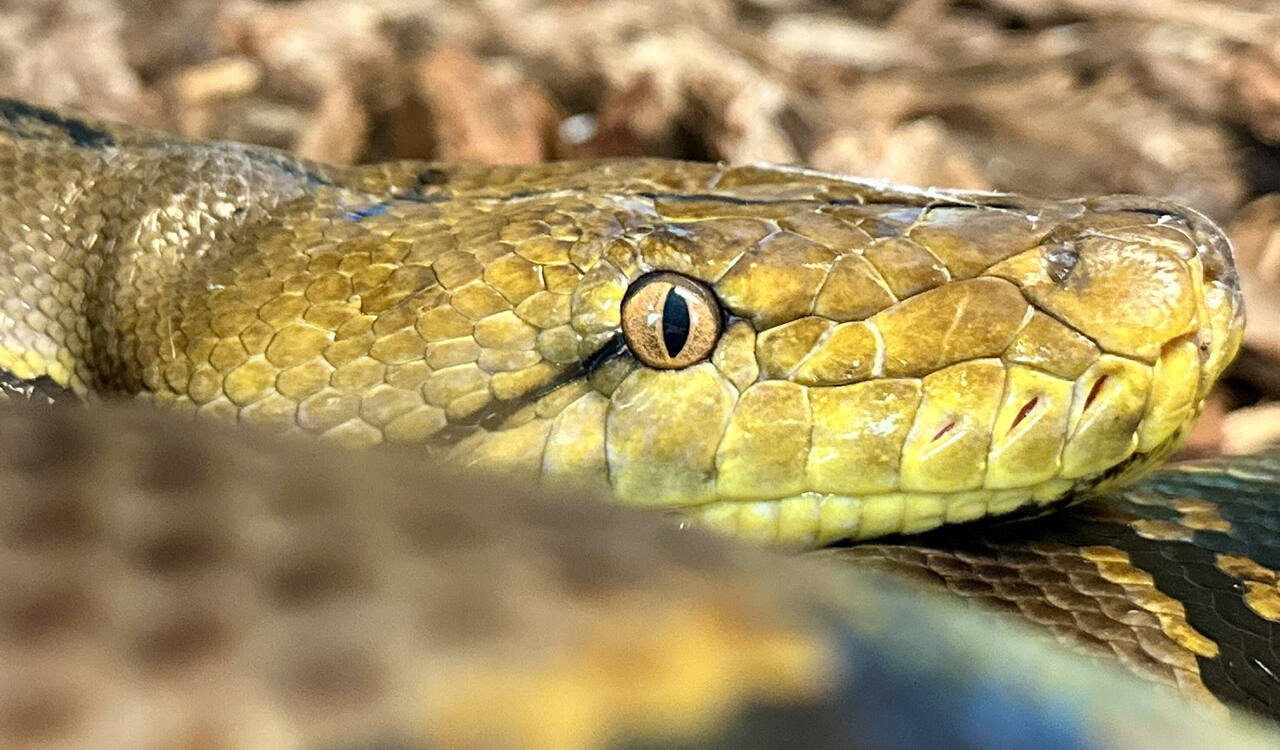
x=1061, y=260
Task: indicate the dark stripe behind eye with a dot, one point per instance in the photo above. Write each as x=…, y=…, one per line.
x=675, y=322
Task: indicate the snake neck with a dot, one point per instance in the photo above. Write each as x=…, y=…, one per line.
x=74, y=265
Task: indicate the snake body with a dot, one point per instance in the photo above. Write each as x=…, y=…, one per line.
x=882, y=360
x=163, y=586
x=782, y=354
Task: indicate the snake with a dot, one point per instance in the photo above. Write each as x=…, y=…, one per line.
x=765, y=352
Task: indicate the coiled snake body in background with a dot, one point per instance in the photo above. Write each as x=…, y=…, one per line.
x=789, y=356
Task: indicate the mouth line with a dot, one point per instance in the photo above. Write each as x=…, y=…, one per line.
x=864, y=496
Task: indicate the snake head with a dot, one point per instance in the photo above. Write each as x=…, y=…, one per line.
x=800, y=357
x=783, y=354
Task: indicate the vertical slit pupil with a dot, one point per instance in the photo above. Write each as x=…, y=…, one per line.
x=675, y=322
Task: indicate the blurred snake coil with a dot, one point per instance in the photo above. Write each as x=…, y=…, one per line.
x=781, y=354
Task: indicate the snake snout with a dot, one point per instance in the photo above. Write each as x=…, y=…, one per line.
x=1224, y=297
x=1210, y=242
x=1222, y=318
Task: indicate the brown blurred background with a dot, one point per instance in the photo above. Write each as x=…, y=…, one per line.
x=1177, y=98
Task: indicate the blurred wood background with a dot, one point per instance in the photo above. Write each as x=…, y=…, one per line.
x=1176, y=98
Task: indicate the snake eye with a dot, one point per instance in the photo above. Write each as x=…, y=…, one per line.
x=670, y=321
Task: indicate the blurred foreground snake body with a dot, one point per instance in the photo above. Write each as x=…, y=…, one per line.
x=785, y=355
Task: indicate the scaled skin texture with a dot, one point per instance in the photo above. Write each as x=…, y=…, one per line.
x=890, y=360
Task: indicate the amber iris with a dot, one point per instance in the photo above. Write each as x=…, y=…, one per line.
x=670, y=321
